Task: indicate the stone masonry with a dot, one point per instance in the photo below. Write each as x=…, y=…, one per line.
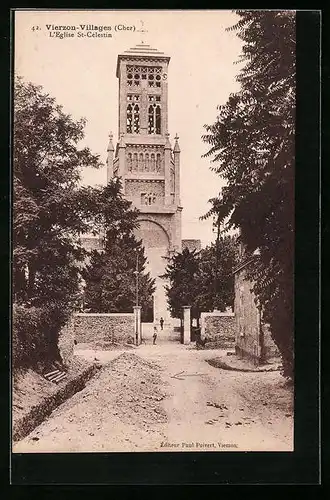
x=218, y=328
x=107, y=327
x=253, y=336
x=66, y=341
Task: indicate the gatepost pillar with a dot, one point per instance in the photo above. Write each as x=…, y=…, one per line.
x=137, y=323
x=186, y=324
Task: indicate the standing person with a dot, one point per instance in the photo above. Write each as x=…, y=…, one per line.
x=161, y=321
x=154, y=337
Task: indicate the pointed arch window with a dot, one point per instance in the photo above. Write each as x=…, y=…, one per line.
x=129, y=162
x=148, y=198
x=158, y=162
x=133, y=119
x=158, y=119
x=151, y=198
x=153, y=162
x=154, y=119
x=141, y=162
x=135, y=162
x=133, y=114
x=129, y=120
x=136, y=119
x=147, y=162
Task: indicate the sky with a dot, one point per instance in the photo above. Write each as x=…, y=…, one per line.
x=81, y=74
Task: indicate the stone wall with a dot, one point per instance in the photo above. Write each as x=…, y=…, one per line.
x=270, y=348
x=247, y=319
x=92, y=243
x=106, y=327
x=66, y=342
x=218, y=328
x=253, y=337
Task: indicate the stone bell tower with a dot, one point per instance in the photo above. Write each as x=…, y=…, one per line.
x=145, y=161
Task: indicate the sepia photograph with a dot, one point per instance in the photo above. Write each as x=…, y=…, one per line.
x=153, y=231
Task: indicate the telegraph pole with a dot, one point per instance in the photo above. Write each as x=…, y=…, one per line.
x=137, y=315
x=218, y=225
x=137, y=280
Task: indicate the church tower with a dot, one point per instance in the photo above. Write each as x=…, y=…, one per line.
x=145, y=161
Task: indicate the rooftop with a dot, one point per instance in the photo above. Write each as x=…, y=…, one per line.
x=142, y=50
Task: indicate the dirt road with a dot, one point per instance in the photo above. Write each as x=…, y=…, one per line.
x=168, y=398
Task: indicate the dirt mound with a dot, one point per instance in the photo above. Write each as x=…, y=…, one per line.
x=136, y=390
x=131, y=361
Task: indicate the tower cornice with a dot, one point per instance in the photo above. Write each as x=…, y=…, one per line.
x=142, y=53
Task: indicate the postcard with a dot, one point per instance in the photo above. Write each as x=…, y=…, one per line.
x=153, y=229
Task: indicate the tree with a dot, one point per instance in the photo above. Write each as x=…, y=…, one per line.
x=193, y=278
x=111, y=274
x=222, y=268
x=252, y=148
x=50, y=210
x=182, y=272
x=216, y=279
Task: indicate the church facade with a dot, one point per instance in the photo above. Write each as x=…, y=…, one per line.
x=146, y=162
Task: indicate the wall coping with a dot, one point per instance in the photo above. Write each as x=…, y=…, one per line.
x=89, y=315
x=244, y=263
x=225, y=314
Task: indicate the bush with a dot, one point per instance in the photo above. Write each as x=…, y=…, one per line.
x=35, y=333
x=26, y=338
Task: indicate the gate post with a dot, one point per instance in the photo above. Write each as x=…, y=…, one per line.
x=137, y=323
x=186, y=324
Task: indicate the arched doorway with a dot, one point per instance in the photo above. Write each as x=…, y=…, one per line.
x=157, y=244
